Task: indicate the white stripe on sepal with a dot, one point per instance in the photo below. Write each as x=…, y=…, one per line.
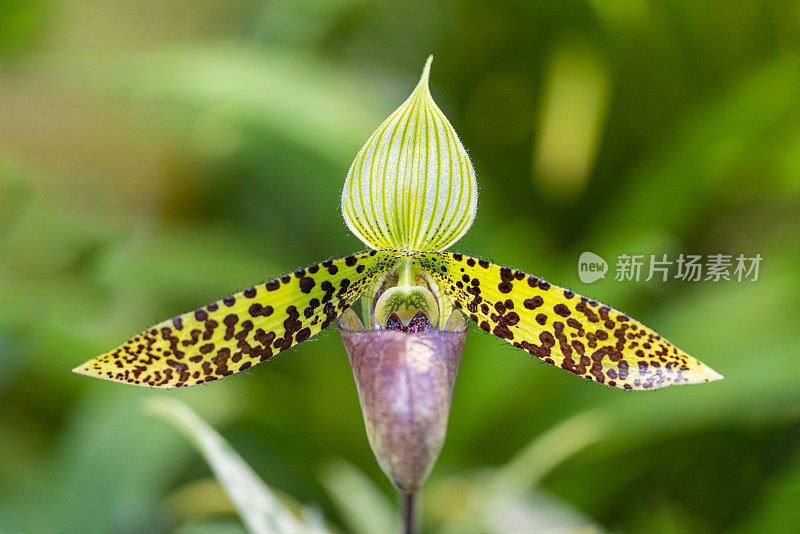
x=412, y=185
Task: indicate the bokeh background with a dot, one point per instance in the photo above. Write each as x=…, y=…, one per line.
x=156, y=156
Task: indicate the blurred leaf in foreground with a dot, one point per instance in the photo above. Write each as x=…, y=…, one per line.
x=508, y=499
x=260, y=510
x=363, y=506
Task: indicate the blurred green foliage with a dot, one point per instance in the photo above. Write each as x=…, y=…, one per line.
x=155, y=156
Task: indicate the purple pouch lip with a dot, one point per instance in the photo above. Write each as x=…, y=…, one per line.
x=405, y=386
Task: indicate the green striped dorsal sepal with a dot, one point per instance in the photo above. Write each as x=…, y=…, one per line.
x=237, y=332
x=412, y=185
x=562, y=328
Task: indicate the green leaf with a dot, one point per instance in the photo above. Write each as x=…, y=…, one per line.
x=509, y=499
x=363, y=506
x=259, y=508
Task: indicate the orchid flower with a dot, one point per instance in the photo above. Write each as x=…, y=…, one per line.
x=409, y=195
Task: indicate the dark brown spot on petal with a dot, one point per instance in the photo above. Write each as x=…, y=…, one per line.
x=533, y=303
x=272, y=285
x=307, y=284
x=561, y=309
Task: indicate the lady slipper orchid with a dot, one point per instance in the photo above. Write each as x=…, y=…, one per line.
x=409, y=195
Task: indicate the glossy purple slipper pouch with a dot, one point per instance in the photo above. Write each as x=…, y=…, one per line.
x=405, y=386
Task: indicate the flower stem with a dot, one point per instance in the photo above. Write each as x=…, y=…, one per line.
x=408, y=511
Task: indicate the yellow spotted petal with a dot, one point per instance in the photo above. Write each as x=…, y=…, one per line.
x=564, y=329
x=237, y=332
x=412, y=185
